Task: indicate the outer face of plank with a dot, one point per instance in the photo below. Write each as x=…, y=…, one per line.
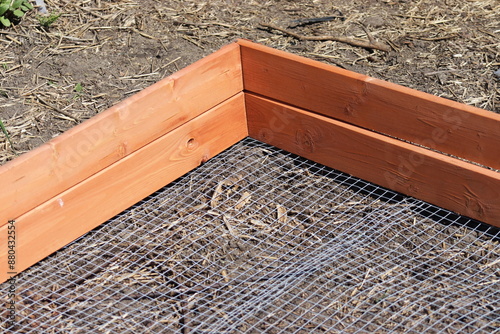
x=434, y=122
x=97, y=143
x=450, y=183
x=79, y=209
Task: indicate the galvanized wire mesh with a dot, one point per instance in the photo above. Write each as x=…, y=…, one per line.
x=259, y=240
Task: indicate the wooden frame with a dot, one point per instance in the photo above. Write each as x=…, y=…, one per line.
x=414, y=143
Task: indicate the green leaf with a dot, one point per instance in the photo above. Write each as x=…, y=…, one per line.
x=16, y=4
x=4, y=130
x=46, y=21
x=4, y=21
x=18, y=13
x=78, y=88
x=27, y=5
x=3, y=8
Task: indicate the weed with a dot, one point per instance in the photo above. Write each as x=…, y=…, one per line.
x=78, y=88
x=12, y=11
x=47, y=21
x=4, y=130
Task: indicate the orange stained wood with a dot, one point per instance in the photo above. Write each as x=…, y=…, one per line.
x=106, y=138
x=448, y=182
x=86, y=205
x=434, y=122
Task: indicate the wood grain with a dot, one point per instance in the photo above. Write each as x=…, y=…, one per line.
x=86, y=205
x=453, y=184
x=108, y=137
x=431, y=121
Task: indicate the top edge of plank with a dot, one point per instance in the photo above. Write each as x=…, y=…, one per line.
x=364, y=77
x=435, y=122
x=111, y=135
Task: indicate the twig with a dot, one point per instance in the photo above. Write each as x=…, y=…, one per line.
x=144, y=34
x=303, y=22
x=192, y=41
x=368, y=34
x=12, y=33
x=410, y=16
x=367, y=45
x=13, y=40
x=204, y=24
x=67, y=114
x=432, y=39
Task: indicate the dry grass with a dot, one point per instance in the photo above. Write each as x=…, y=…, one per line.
x=116, y=48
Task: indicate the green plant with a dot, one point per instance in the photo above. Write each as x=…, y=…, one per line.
x=4, y=130
x=13, y=11
x=47, y=21
x=78, y=88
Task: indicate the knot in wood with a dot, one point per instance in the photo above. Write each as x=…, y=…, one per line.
x=305, y=140
x=474, y=206
x=265, y=135
x=191, y=144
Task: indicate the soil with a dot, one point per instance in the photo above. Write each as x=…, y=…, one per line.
x=99, y=52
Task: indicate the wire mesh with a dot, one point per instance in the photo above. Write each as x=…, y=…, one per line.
x=260, y=240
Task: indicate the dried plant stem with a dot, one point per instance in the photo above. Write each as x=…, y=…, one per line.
x=372, y=44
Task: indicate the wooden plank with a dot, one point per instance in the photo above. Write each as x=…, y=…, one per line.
x=86, y=205
x=97, y=143
x=438, y=123
x=433, y=177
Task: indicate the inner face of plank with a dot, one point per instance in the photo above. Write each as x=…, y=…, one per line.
x=430, y=121
x=260, y=240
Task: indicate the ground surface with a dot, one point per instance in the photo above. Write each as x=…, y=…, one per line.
x=99, y=52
